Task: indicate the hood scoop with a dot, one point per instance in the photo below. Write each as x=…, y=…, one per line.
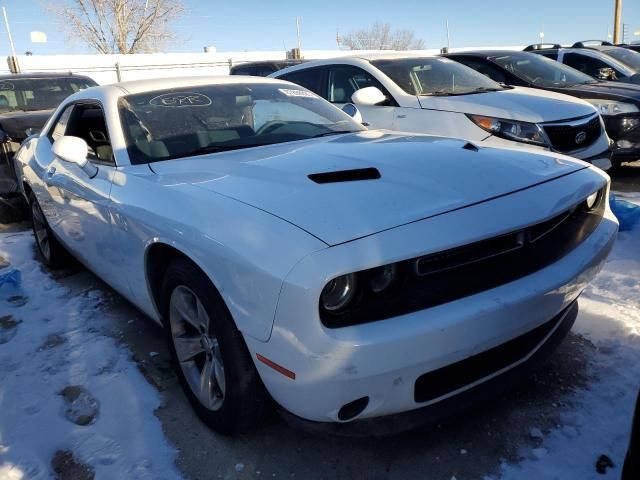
x=354, y=175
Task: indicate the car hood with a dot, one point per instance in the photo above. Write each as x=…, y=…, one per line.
x=15, y=124
x=517, y=103
x=620, y=91
x=420, y=176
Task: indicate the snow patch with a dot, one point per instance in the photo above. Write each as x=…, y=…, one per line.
x=50, y=340
x=600, y=424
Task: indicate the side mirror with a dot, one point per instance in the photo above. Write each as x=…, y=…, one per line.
x=368, y=96
x=351, y=110
x=74, y=150
x=606, y=74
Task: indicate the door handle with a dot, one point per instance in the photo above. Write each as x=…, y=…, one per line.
x=51, y=172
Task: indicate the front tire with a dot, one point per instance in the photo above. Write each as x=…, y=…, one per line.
x=209, y=354
x=51, y=251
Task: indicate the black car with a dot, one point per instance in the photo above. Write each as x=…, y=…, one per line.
x=600, y=60
x=262, y=69
x=634, y=46
x=618, y=103
x=26, y=102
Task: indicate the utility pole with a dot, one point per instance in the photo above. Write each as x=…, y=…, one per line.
x=298, y=31
x=617, y=15
x=448, y=37
x=6, y=25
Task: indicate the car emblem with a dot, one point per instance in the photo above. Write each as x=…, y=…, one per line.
x=581, y=137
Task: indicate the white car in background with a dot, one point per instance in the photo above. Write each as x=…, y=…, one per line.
x=350, y=274
x=439, y=96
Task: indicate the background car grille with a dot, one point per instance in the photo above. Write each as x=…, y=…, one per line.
x=447, y=276
x=563, y=137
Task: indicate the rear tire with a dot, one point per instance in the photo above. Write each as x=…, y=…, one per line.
x=209, y=354
x=51, y=251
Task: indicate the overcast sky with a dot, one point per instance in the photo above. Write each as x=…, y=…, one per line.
x=270, y=25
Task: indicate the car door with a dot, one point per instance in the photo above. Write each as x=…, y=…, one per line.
x=342, y=83
x=80, y=203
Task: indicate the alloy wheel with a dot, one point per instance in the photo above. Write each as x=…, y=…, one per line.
x=40, y=230
x=197, y=347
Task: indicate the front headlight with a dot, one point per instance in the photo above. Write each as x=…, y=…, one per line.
x=610, y=107
x=510, y=129
x=338, y=293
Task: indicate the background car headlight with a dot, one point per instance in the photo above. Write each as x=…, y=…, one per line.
x=510, y=129
x=609, y=107
x=338, y=293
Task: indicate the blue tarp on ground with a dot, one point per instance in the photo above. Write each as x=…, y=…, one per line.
x=628, y=213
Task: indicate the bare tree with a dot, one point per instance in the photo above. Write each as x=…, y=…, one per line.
x=119, y=26
x=381, y=37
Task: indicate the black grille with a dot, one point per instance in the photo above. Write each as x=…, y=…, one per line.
x=566, y=138
x=448, y=379
x=453, y=274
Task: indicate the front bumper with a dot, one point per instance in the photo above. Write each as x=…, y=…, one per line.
x=384, y=360
x=624, y=130
x=434, y=412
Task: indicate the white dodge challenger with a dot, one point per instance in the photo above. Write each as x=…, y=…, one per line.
x=292, y=254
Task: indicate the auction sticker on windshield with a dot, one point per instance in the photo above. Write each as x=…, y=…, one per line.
x=290, y=92
x=180, y=99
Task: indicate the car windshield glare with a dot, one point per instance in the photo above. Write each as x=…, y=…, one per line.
x=630, y=58
x=435, y=76
x=188, y=121
x=541, y=71
x=28, y=94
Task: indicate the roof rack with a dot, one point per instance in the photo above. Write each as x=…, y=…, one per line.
x=542, y=46
x=592, y=43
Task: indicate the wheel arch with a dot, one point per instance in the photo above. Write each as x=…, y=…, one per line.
x=158, y=257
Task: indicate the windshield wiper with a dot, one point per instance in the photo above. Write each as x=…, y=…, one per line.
x=486, y=89
x=216, y=149
x=332, y=132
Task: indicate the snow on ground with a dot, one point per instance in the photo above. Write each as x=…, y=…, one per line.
x=600, y=424
x=50, y=340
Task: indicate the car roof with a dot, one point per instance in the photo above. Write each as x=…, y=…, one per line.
x=354, y=59
x=268, y=62
x=141, y=86
x=41, y=75
x=484, y=53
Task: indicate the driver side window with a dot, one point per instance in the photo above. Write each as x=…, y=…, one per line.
x=60, y=126
x=344, y=80
x=87, y=121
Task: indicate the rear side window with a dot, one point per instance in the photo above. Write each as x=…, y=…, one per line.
x=311, y=79
x=553, y=55
x=585, y=64
x=243, y=71
x=490, y=71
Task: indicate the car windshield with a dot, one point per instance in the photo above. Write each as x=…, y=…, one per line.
x=626, y=56
x=188, y=121
x=27, y=94
x=541, y=71
x=435, y=76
